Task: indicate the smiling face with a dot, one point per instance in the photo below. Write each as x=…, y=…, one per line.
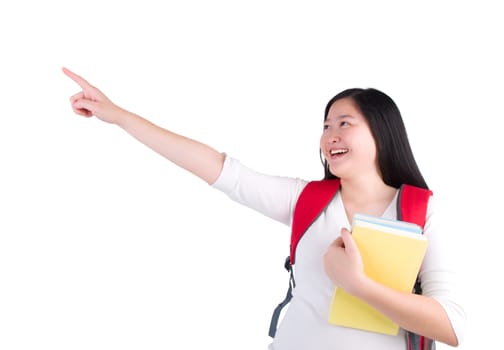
x=347, y=142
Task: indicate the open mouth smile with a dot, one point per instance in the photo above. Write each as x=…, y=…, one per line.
x=338, y=152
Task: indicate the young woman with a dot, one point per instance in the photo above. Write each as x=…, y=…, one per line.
x=364, y=144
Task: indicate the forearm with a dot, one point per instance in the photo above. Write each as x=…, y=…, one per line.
x=193, y=156
x=416, y=313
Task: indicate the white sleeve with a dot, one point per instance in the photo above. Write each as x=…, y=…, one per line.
x=273, y=196
x=438, y=274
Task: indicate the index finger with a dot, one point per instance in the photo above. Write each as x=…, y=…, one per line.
x=77, y=78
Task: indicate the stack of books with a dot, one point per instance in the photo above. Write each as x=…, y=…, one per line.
x=392, y=252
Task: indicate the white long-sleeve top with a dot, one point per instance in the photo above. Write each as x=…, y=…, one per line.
x=305, y=324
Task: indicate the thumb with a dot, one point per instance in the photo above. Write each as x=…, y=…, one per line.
x=85, y=104
x=85, y=107
x=348, y=241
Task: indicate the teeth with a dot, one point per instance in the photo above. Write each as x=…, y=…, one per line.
x=338, y=151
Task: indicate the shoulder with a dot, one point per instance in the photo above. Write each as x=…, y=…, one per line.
x=237, y=177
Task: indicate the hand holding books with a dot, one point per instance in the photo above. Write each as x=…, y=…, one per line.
x=343, y=262
x=392, y=252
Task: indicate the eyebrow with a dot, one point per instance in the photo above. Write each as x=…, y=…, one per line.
x=339, y=117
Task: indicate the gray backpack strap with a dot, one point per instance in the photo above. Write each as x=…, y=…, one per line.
x=288, y=297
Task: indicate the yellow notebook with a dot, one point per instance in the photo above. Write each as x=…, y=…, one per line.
x=392, y=252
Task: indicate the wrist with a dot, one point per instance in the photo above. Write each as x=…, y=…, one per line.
x=122, y=117
x=360, y=286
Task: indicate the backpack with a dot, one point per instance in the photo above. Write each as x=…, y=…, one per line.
x=411, y=207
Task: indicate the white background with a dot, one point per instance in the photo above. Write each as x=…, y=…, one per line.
x=105, y=245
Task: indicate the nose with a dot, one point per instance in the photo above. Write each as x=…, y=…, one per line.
x=334, y=138
x=330, y=137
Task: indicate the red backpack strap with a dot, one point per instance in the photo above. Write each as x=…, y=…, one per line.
x=412, y=204
x=312, y=201
x=314, y=198
x=412, y=207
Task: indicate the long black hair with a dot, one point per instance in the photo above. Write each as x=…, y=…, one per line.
x=395, y=158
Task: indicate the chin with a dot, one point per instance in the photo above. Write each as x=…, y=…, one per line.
x=335, y=172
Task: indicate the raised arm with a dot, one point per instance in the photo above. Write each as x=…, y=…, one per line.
x=197, y=158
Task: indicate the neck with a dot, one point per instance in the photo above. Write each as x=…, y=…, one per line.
x=365, y=190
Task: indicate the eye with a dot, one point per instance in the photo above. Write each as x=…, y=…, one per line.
x=344, y=124
x=326, y=126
